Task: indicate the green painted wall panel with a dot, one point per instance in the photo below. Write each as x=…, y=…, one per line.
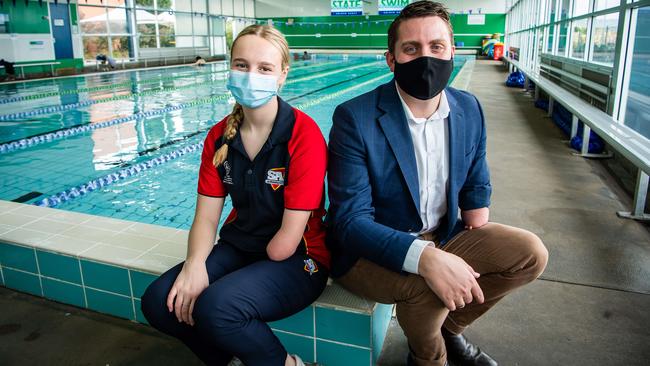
x=371, y=32
x=26, y=18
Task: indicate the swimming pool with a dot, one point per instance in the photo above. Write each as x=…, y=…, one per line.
x=127, y=145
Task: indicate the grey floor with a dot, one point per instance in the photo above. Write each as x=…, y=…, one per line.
x=591, y=306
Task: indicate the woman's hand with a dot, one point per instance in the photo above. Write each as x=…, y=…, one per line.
x=476, y=218
x=189, y=284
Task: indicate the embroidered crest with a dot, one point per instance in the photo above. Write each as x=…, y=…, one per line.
x=310, y=266
x=275, y=177
x=226, y=177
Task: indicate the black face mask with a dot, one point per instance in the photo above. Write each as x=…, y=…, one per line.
x=424, y=77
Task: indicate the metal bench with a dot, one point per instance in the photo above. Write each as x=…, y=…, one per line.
x=22, y=67
x=619, y=137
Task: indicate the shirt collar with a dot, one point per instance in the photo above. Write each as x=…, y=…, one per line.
x=441, y=113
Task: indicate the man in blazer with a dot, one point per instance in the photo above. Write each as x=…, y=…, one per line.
x=409, y=191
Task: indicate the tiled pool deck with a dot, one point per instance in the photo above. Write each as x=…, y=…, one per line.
x=105, y=265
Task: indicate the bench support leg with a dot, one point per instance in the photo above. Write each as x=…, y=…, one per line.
x=574, y=126
x=586, y=132
x=536, y=93
x=550, y=106
x=640, y=196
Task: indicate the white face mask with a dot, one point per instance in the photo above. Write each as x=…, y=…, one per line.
x=251, y=89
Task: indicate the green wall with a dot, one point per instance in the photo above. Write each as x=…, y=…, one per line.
x=371, y=32
x=26, y=18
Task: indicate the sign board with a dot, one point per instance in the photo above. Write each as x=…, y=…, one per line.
x=387, y=7
x=347, y=7
x=58, y=23
x=476, y=19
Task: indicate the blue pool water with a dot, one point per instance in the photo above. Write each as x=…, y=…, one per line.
x=81, y=130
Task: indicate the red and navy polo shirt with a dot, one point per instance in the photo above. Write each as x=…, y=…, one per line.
x=288, y=172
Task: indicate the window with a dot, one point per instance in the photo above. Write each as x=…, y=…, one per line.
x=603, y=36
x=637, y=112
x=117, y=20
x=121, y=46
x=578, y=38
x=580, y=7
x=605, y=4
x=564, y=9
x=551, y=31
x=94, y=45
x=561, y=44
x=92, y=19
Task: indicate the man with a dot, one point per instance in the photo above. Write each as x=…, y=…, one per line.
x=404, y=159
x=106, y=61
x=10, y=71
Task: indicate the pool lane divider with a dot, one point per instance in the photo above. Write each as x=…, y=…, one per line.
x=111, y=178
x=108, y=179
x=67, y=132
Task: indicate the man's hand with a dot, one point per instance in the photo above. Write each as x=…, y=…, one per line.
x=476, y=218
x=450, y=278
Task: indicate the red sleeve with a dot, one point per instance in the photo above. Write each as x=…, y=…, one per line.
x=307, y=165
x=209, y=180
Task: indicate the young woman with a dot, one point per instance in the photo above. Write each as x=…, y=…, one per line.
x=270, y=260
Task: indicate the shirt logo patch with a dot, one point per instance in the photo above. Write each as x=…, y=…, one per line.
x=227, y=178
x=275, y=177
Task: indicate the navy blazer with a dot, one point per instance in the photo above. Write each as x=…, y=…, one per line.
x=373, y=179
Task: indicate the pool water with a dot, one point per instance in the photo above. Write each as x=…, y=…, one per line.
x=128, y=145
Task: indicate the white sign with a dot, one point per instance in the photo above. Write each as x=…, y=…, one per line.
x=476, y=19
x=392, y=6
x=58, y=23
x=347, y=7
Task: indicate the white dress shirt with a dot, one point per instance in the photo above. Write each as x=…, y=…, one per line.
x=430, y=140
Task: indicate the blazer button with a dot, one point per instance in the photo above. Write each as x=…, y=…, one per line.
x=249, y=172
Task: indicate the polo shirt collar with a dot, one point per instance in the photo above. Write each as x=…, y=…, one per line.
x=280, y=132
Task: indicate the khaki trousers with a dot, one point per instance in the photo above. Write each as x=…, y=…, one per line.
x=505, y=256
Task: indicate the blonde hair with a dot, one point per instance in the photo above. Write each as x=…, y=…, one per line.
x=236, y=117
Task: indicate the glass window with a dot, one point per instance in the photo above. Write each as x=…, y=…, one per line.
x=184, y=41
x=637, y=111
x=551, y=32
x=166, y=23
x=561, y=43
x=580, y=7
x=165, y=4
x=185, y=5
x=92, y=19
x=564, y=9
x=94, y=45
x=200, y=25
x=552, y=11
x=603, y=35
x=146, y=22
x=121, y=46
x=167, y=41
x=199, y=6
x=578, y=38
x=147, y=42
x=605, y=4
x=183, y=24
x=117, y=20
x=144, y=3
x=200, y=41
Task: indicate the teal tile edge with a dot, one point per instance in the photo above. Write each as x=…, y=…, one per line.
x=381, y=317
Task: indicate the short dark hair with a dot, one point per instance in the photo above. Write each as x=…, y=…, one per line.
x=418, y=9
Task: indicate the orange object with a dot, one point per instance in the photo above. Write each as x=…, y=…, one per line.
x=498, y=51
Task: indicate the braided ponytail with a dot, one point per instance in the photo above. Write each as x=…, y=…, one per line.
x=232, y=124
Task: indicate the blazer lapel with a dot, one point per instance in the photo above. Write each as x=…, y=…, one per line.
x=395, y=127
x=456, y=152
